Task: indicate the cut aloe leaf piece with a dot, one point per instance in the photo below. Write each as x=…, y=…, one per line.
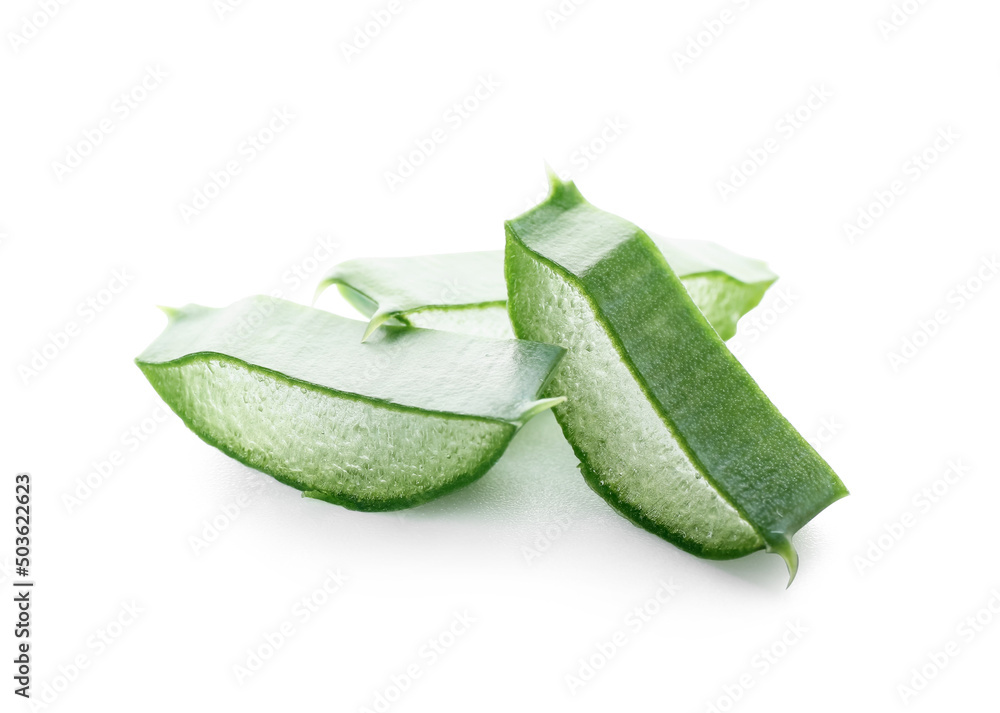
x=461, y=292
x=388, y=424
x=466, y=292
x=723, y=284
x=668, y=426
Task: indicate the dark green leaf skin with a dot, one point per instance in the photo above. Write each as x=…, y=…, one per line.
x=292, y=391
x=730, y=430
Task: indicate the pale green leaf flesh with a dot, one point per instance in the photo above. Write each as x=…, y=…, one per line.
x=465, y=292
x=668, y=426
x=614, y=425
x=392, y=423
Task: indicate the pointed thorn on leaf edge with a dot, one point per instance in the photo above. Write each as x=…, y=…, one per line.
x=377, y=320
x=171, y=312
x=781, y=545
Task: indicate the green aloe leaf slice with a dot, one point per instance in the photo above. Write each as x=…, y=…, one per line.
x=723, y=284
x=459, y=292
x=466, y=292
x=383, y=425
x=668, y=426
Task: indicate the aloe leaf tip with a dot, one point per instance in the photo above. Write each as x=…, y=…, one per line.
x=554, y=180
x=171, y=312
x=378, y=319
x=540, y=405
x=320, y=289
x=781, y=544
x=561, y=191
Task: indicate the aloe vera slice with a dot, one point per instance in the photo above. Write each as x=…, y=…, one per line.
x=723, y=284
x=391, y=423
x=668, y=426
x=466, y=292
x=431, y=291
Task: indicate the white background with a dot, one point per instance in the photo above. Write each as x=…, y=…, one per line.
x=821, y=352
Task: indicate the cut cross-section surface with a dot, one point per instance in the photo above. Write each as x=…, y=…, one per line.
x=667, y=424
x=388, y=424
